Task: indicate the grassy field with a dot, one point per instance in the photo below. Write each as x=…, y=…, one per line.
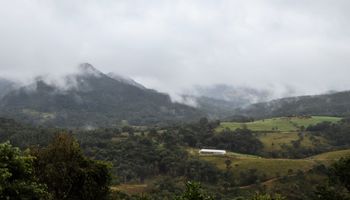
x=282, y=124
x=332, y=155
x=270, y=168
x=275, y=140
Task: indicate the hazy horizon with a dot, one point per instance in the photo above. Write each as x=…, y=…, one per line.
x=291, y=48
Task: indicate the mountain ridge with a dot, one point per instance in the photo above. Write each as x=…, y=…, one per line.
x=334, y=104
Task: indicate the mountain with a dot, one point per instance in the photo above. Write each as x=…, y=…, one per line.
x=125, y=80
x=334, y=104
x=91, y=98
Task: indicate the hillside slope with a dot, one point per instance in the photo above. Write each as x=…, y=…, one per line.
x=269, y=167
x=336, y=104
x=91, y=98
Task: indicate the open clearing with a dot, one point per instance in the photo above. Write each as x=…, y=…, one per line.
x=275, y=133
x=281, y=124
x=274, y=141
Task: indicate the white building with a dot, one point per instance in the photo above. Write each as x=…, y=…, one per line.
x=212, y=152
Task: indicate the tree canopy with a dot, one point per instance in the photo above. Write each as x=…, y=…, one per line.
x=16, y=176
x=68, y=173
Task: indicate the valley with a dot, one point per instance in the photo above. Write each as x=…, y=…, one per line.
x=151, y=143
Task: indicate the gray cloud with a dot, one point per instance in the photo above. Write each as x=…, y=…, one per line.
x=172, y=45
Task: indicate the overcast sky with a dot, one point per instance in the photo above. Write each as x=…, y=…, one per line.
x=171, y=45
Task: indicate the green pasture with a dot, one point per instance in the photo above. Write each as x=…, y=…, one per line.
x=274, y=141
x=281, y=124
x=269, y=167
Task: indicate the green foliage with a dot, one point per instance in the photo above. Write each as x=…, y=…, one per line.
x=239, y=140
x=68, y=173
x=24, y=136
x=339, y=182
x=199, y=170
x=143, y=159
x=329, y=193
x=137, y=158
x=341, y=172
x=16, y=176
x=203, y=135
x=194, y=191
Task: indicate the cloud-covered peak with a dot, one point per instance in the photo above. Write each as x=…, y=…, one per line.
x=88, y=69
x=173, y=45
x=125, y=80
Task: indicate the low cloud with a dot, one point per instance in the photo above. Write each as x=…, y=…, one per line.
x=287, y=46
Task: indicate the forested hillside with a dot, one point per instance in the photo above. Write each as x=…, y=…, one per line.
x=92, y=99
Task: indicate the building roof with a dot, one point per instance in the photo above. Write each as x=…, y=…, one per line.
x=212, y=151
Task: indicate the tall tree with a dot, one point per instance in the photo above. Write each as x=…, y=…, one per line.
x=16, y=176
x=194, y=191
x=68, y=173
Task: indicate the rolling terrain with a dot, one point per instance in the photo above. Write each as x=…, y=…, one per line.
x=264, y=170
x=269, y=168
x=171, y=161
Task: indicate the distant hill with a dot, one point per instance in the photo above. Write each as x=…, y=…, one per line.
x=335, y=104
x=214, y=108
x=220, y=101
x=238, y=95
x=91, y=98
